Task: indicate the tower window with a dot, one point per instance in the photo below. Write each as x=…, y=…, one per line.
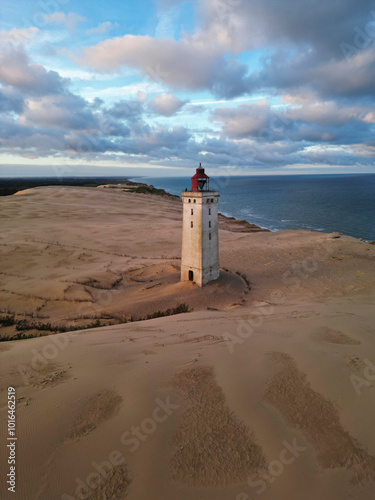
x=192, y=211
x=212, y=200
x=209, y=236
x=209, y=211
x=209, y=223
x=189, y=200
x=191, y=224
x=195, y=201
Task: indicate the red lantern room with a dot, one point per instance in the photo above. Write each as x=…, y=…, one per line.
x=199, y=181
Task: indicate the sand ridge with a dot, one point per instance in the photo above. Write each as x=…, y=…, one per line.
x=318, y=419
x=337, y=337
x=98, y=409
x=213, y=447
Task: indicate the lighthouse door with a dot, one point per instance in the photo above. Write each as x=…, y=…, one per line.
x=191, y=275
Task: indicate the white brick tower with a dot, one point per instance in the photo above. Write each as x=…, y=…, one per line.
x=200, y=240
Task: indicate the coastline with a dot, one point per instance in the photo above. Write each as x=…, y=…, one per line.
x=10, y=186
x=228, y=222
x=277, y=203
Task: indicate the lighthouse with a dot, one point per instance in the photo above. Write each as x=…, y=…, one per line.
x=200, y=240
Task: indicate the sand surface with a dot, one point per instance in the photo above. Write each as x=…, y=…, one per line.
x=265, y=389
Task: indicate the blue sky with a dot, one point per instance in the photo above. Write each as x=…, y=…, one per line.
x=155, y=87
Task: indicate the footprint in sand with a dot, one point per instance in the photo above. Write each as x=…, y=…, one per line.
x=317, y=418
x=44, y=376
x=336, y=337
x=303, y=314
x=98, y=409
x=355, y=363
x=114, y=486
x=214, y=448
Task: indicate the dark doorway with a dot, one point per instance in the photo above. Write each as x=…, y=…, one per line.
x=191, y=275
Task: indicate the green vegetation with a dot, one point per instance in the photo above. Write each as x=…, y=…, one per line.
x=7, y=320
x=181, y=308
x=17, y=336
x=138, y=187
x=11, y=186
x=24, y=325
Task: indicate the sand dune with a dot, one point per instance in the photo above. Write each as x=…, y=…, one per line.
x=263, y=390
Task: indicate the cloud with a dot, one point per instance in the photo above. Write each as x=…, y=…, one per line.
x=18, y=36
x=16, y=70
x=11, y=101
x=195, y=108
x=319, y=103
x=238, y=26
x=69, y=20
x=181, y=65
x=166, y=104
x=306, y=45
x=243, y=121
x=67, y=111
x=124, y=90
x=127, y=109
x=102, y=28
x=287, y=72
x=295, y=49
x=296, y=126
x=329, y=113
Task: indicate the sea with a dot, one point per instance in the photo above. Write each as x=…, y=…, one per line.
x=328, y=203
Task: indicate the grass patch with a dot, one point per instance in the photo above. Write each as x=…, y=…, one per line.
x=146, y=189
x=181, y=308
x=23, y=325
x=7, y=320
x=17, y=336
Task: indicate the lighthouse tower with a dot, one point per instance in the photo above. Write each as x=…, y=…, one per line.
x=200, y=241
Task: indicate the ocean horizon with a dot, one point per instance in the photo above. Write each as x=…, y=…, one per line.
x=322, y=202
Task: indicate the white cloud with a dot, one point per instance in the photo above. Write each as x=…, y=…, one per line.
x=18, y=36
x=17, y=70
x=70, y=20
x=102, y=28
x=180, y=65
x=244, y=120
x=122, y=91
x=166, y=104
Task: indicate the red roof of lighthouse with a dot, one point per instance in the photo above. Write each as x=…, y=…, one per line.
x=199, y=176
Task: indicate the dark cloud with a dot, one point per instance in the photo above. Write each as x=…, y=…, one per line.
x=66, y=111
x=324, y=122
x=245, y=25
x=17, y=71
x=127, y=109
x=335, y=78
x=11, y=101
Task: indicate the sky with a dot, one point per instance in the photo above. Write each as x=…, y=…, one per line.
x=153, y=87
